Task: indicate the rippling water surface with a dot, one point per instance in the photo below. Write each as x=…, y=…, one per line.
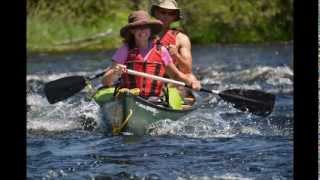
x=65, y=141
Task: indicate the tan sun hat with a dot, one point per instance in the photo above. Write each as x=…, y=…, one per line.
x=141, y=18
x=165, y=4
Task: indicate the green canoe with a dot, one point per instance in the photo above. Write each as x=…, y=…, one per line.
x=126, y=112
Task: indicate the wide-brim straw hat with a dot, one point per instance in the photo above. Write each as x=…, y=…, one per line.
x=141, y=18
x=165, y=4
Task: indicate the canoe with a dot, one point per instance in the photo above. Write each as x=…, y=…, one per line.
x=125, y=111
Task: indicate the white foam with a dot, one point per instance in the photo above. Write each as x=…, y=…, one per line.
x=198, y=125
x=63, y=115
x=52, y=125
x=228, y=176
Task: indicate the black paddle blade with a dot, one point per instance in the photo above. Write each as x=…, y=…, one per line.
x=254, y=101
x=63, y=88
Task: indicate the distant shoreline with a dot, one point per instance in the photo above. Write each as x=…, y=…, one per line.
x=56, y=27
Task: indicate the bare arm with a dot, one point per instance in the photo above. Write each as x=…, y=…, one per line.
x=174, y=73
x=182, y=53
x=112, y=74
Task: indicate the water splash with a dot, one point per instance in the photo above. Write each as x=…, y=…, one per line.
x=198, y=125
x=228, y=176
x=74, y=113
x=275, y=79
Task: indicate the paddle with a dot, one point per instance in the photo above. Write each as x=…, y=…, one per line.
x=254, y=101
x=63, y=88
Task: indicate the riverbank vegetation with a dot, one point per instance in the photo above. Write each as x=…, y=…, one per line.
x=72, y=25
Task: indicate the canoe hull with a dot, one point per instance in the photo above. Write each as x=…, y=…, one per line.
x=130, y=113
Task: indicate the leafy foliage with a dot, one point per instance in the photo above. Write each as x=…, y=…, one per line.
x=205, y=21
x=238, y=21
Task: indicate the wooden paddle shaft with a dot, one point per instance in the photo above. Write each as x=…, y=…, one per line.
x=146, y=75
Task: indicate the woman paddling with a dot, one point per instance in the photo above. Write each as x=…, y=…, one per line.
x=141, y=52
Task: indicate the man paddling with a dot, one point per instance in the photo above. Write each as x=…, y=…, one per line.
x=177, y=43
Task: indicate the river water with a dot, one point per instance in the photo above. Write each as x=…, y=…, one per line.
x=217, y=141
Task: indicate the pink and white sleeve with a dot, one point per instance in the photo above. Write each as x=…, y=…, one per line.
x=120, y=56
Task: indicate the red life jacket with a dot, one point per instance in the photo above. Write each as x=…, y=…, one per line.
x=169, y=38
x=152, y=65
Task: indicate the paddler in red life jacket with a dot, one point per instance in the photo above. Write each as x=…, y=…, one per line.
x=178, y=43
x=142, y=53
